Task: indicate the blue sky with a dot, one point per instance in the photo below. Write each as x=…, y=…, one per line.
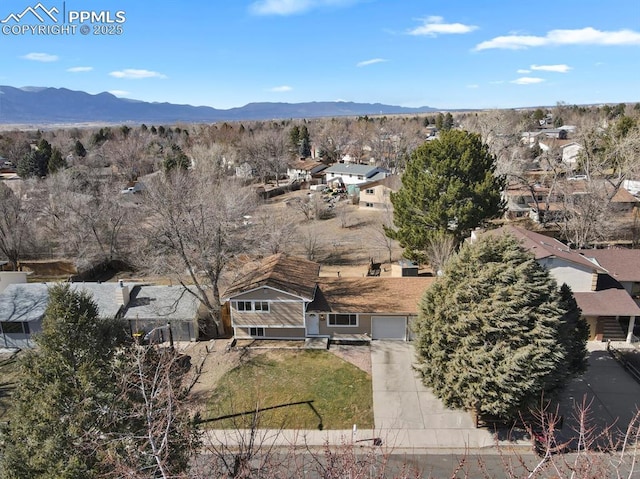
x=455, y=54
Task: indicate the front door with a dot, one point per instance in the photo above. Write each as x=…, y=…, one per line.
x=313, y=325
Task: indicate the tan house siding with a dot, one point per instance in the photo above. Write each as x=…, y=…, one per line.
x=280, y=314
x=592, y=321
x=364, y=326
x=378, y=199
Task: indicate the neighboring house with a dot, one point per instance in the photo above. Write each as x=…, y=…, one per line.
x=144, y=307
x=305, y=170
x=284, y=298
x=245, y=170
x=570, y=153
x=519, y=199
x=354, y=174
x=162, y=307
x=377, y=194
x=607, y=306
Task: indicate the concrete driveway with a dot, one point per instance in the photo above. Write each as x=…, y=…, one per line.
x=406, y=413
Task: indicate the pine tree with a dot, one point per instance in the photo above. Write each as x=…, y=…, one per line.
x=79, y=149
x=449, y=186
x=56, y=162
x=61, y=404
x=489, y=330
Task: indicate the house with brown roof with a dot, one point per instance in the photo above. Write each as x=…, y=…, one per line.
x=284, y=297
x=609, y=307
x=305, y=170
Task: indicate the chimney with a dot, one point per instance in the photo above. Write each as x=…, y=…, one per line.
x=122, y=293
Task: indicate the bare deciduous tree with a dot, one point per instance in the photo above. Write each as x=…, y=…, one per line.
x=194, y=226
x=15, y=224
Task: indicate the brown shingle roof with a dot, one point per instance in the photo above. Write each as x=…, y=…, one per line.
x=610, y=302
x=296, y=276
x=545, y=247
x=370, y=295
x=622, y=264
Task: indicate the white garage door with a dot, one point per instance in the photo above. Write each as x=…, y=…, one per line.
x=388, y=327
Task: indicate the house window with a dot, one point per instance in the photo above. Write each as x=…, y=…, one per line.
x=369, y=191
x=360, y=177
x=257, y=332
x=243, y=305
x=11, y=327
x=343, y=320
x=368, y=205
x=253, y=306
x=261, y=306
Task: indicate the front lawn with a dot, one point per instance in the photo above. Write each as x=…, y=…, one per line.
x=294, y=390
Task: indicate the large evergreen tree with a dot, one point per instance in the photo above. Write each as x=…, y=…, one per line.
x=494, y=332
x=61, y=405
x=449, y=186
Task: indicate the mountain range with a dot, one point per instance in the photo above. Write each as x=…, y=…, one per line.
x=41, y=105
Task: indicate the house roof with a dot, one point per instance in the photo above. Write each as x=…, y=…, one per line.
x=370, y=295
x=623, y=196
x=622, y=264
x=28, y=301
x=354, y=169
x=296, y=276
x=609, y=302
x=23, y=302
x=161, y=302
x=307, y=165
x=393, y=182
x=546, y=247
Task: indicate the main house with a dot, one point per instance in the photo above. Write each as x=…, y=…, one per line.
x=283, y=297
x=146, y=309
x=605, y=283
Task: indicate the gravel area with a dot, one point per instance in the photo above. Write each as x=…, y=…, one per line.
x=359, y=356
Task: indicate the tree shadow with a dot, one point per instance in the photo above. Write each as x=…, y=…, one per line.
x=309, y=403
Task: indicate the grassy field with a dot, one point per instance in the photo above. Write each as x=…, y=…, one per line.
x=8, y=379
x=293, y=390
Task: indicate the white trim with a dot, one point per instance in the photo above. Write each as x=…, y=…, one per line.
x=229, y=298
x=253, y=306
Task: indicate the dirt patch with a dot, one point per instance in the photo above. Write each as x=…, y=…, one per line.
x=359, y=356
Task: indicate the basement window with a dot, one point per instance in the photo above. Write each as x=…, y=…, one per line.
x=256, y=332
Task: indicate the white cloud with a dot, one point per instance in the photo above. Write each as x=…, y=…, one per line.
x=552, y=68
x=280, y=89
x=582, y=36
x=473, y=86
x=371, y=62
x=79, y=69
x=527, y=80
x=119, y=92
x=523, y=71
x=41, y=57
x=134, y=74
x=293, y=7
x=434, y=26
